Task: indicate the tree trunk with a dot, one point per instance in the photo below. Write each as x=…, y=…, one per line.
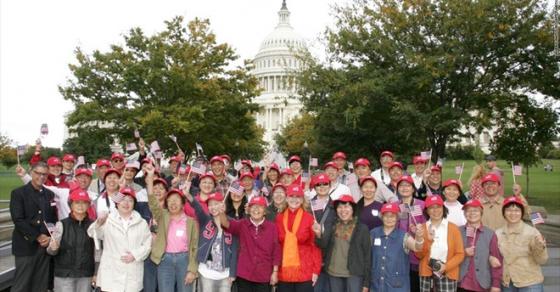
x=527, y=181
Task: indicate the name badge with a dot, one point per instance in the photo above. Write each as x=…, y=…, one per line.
x=375, y=213
x=179, y=233
x=377, y=242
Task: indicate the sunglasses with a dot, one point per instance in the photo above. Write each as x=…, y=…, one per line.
x=321, y=185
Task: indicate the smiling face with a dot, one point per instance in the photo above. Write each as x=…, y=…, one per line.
x=112, y=182
x=435, y=178
x=39, y=176
x=55, y=170
x=322, y=189
x=451, y=193
x=272, y=175
x=217, y=168
x=419, y=167
x=473, y=215
x=368, y=189
x=490, y=188
x=174, y=204
x=340, y=162
x=129, y=173
x=83, y=181
x=389, y=219
x=287, y=179
x=247, y=183
x=207, y=185
x=118, y=163
x=332, y=173
x=79, y=207
x=214, y=207
x=159, y=191
x=405, y=189
x=237, y=198
x=513, y=213
x=386, y=160
x=345, y=212
x=435, y=212
x=256, y=212
x=295, y=166
x=279, y=196
x=362, y=170
x=126, y=206
x=395, y=173
x=68, y=165
x=294, y=202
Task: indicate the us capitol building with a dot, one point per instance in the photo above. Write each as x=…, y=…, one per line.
x=274, y=67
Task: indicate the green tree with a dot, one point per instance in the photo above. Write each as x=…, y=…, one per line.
x=176, y=82
x=294, y=135
x=8, y=154
x=522, y=130
x=411, y=74
x=95, y=146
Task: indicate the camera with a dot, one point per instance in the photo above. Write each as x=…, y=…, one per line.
x=435, y=264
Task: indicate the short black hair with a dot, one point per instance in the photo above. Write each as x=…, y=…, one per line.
x=513, y=203
x=354, y=207
x=183, y=199
x=445, y=211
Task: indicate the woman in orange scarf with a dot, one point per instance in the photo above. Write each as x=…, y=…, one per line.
x=301, y=258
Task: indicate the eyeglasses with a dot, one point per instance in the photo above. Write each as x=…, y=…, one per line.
x=41, y=173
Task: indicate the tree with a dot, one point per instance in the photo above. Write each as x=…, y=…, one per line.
x=175, y=82
x=522, y=130
x=294, y=135
x=406, y=73
x=8, y=154
x=95, y=146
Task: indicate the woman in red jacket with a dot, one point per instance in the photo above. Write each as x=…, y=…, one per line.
x=301, y=258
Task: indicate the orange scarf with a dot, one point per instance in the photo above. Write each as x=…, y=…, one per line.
x=291, y=267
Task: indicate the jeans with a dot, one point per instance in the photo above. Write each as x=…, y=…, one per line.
x=322, y=284
x=171, y=272
x=531, y=288
x=72, y=284
x=209, y=285
x=346, y=284
x=150, y=276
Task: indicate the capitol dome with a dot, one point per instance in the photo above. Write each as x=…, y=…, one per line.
x=274, y=67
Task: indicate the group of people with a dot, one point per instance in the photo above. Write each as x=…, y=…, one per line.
x=133, y=228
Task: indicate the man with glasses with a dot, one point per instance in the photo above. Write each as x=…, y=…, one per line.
x=117, y=161
x=32, y=208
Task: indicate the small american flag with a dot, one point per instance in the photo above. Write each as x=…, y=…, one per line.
x=198, y=168
x=20, y=150
x=154, y=146
x=415, y=211
x=118, y=197
x=158, y=155
x=318, y=204
x=314, y=162
x=426, y=154
x=265, y=191
x=136, y=134
x=458, y=169
x=537, y=218
x=470, y=231
x=517, y=170
x=81, y=161
x=305, y=177
x=235, y=188
x=173, y=138
x=131, y=147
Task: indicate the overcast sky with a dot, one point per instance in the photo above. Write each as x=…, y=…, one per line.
x=38, y=38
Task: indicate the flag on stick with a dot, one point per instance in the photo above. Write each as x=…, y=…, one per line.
x=20, y=150
x=81, y=161
x=426, y=155
x=470, y=231
x=235, y=188
x=198, y=168
x=154, y=146
x=517, y=170
x=44, y=129
x=314, y=162
x=536, y=218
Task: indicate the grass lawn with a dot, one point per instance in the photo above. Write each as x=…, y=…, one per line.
x=544, y=187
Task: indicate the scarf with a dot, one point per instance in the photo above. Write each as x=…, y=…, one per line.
x=291, y=267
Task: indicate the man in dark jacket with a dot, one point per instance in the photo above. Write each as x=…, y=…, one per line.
x=32, y=207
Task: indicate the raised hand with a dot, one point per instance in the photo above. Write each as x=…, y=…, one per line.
x=20, y=171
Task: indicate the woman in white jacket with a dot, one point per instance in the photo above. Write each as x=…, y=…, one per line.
x=126, y=244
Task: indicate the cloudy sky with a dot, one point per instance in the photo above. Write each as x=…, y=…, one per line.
x=38, y=38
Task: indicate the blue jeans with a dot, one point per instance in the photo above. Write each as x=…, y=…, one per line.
x=322, y=284
x=171, y=272
x=150, y=276
x=349, y=284
x=531, y=288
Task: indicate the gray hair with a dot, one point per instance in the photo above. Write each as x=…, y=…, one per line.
x=39, y=164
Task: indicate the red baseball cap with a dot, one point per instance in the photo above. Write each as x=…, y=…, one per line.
x=174, y=191
x=406, y=178
x=226, y=157
x=128, y=191
x=69, y=157
x=85, y=171
x=450, y=182
x=434, y=200
x=330, y=164
x=146, y=160
x=176, y=159
x=391, y=208
x=133, y=164
x=53, y=161
x=368, y=178
x=184, y=170
x=294, y=190
x=246, y=174
x=339, y=155
x=472, y=203
x=387, y=153
x=79, y=195
x=490, y=178
x=258, y=200
x=274, y=166
x=216, y=196
x=286, y=171
x=160, y=180
x=217, y=159
x=294, y=158
x=418, y=159
x=207, y=175
x=109, y=171
x=247, y=162
x=362, y=161
x=435, y=168
x=103, y=162
x=117, y=155
x=396, y=164
x=278, y=185
x=320, y=179
x=512, y=200
x=345, y=199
